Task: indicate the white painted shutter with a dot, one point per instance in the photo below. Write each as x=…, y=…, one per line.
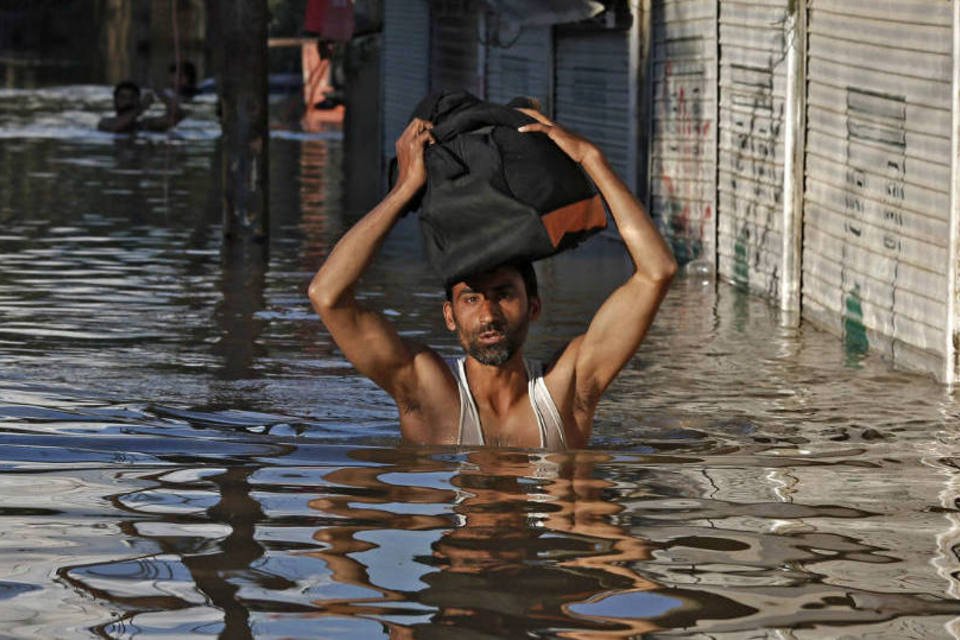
x=876, y=200
x=752, y=69
x=523, y=67
x=405, y=65
x=683, y=163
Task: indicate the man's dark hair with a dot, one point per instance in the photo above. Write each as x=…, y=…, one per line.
x=126, y=85
x=527, y=273
x=188, y=69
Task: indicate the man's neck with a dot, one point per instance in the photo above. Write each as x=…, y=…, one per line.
x=498, y=387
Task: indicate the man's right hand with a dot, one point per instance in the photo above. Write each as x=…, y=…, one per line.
x=578, y=148
x=412, y=173
x=146, y=100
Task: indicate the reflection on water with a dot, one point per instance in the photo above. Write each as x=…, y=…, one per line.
x=185, y=454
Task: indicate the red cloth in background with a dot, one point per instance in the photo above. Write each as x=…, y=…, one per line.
x=330, y=19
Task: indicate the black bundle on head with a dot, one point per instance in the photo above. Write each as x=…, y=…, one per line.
x=496, y=196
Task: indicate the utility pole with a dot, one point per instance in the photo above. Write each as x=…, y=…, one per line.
x=243, y=96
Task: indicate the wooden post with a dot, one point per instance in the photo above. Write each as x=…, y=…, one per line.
x=794, y=137
x=243, y=95
x=951, y=353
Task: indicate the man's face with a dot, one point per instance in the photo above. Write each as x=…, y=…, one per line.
x=180, y=81
x=491, y=314
x=125, y=100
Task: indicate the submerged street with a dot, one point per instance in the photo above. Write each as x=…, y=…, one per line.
x=185, y=453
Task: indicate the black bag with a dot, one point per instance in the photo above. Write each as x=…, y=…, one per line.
x=495, y=195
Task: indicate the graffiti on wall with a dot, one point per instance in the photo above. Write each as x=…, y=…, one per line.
x=755, y=121
x=874, y=193
x=685, y=166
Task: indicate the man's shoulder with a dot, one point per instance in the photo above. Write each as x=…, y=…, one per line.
x=563, y=361
x=431, y=380
x=113, y=124
x=429, y=407
x=570, y=393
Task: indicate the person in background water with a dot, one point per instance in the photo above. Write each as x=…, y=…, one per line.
x=494, y=396
x=130, y=106
x=184, y=82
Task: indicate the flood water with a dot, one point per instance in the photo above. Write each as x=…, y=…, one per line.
x=185, y=454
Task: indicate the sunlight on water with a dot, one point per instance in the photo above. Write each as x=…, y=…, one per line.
x=185, y=454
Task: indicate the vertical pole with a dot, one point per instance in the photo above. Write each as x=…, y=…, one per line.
x=952, y=325
x=243, y=95
x=645, y=111
x=791, y=251
x=711, y=230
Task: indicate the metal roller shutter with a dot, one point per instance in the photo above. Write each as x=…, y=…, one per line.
x=593, y=95
x=455, y=51
x=683, y=163
x=522, y=68
x=752, y=69
x=405, y=65
x=876, y=198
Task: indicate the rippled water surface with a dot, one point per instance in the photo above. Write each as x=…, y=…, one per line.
x=186, y=455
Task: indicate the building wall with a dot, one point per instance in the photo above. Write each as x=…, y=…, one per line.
x=878, y=164
x=683, y=140
x=456, y=52
x=521, y=66
x=593, y=93
x=805, y=149
x=189, y=17
x=752, y=86
x=874, y=175
x=405, y=66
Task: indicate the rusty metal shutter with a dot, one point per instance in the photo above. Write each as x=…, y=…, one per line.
x=523, y=67
x=455, y=49
x=876, y=199
x=753, y=48
x=405, y=65
x=593, y=95
x=683, y=140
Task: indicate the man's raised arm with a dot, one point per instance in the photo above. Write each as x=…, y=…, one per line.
x=173, y=113
x=366, y=338
x=594, y=358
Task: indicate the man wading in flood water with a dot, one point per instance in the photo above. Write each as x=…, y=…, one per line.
x=494, y=396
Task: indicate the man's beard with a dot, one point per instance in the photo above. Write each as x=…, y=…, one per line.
x=498, y=353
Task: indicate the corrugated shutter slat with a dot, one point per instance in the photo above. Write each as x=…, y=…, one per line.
x=683, y=137
x=876, y=198
x=405, y=64
x=525, y=68
x=753, y=49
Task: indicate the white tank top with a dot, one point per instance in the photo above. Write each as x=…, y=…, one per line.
x=548, y=416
